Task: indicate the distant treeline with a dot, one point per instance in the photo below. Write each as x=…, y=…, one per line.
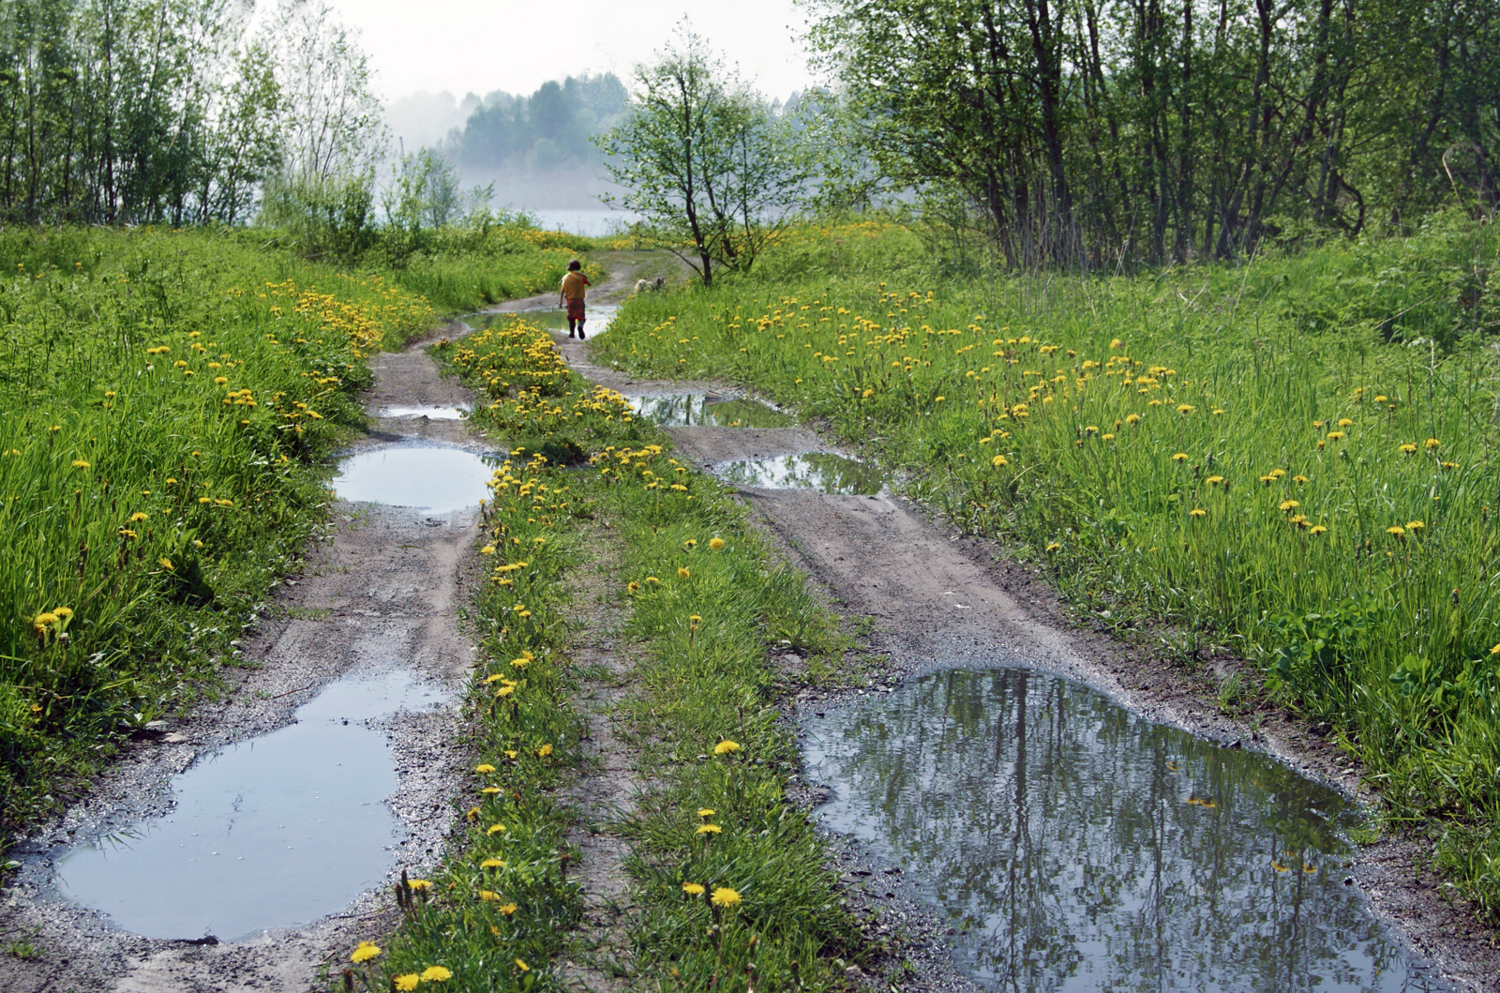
x=548, y=131
x=1092, y=132
x=171, y=111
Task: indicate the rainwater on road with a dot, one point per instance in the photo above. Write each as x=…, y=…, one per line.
x=1079, y=848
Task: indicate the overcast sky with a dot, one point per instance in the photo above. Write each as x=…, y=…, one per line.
x=475, y=46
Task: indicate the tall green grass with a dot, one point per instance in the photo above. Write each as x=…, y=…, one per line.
x=1295, y=458
x=165, y=402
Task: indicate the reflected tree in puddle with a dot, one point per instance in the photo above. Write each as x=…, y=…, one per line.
x=822, y=471
x=1077, y=846
x=699, y=410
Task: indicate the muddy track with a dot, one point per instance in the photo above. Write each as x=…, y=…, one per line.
x=939, y=598
x=382, y=590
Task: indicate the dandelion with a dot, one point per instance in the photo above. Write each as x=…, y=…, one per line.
x=1335, y=436
x=1180, y=457
x=484, y=767
x=504, y=692
x=507, y=909
x=1344, y=422
x=682, y=572
x=709, y=829
x=1116, y=343
x=406, y=983
x=489, y=896
x=692, y=889
x=1133, y=419
x=726, y=747
x=716, y=543
x=522, y=966
x=1053, y=546
x=1408, y=449
x=1396, y=532
x=80, y=464
x=437, y=974
x=1317, y=529
x=998, y=460
x=1415, y=525
x=1431, y=443
x=632, y=587
x=1495, y=650
x=705, y=811
x=492, y=863
x=1184, y=408
x=1287, y=505
x=1299, y=479
x=1197, y=512
x=725, y=897
x=420, y=885
x=365, y=951
x=138, y=517
x=167, y=564
x=494, y=829
x=544, y=751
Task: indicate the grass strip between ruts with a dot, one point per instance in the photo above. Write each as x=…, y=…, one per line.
x=730, y=879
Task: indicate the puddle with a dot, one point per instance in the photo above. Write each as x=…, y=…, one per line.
x=437, y=480
x=821, y=471
x=552, y=318
x=708, y=410
x=431, y=413
x=278, y=830
x=1075, y=846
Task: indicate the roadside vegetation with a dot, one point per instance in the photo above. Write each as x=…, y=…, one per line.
x=1293, y=458
x=730, y=879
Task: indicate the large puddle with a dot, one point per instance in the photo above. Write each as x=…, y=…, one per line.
x=436, y=413
x=708, y=410
x=1075, y=846
x=596, y=318
x=278, y=830
x=423, y=477
x=822, y=471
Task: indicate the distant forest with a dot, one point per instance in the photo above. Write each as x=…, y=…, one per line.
x=545, y=132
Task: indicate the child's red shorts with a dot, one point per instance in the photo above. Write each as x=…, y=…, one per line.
x=575, y=310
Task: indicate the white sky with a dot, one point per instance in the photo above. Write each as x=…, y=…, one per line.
x=474, y=46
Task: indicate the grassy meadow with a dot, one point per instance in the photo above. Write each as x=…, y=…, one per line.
x=1293, y=458
x=167, y=401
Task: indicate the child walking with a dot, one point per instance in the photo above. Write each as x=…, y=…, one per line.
x=573, y=285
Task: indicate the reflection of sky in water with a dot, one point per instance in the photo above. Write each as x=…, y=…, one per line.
x=437, y=480
x=821, y=471
x=695, y=409
x=431, y=413
x=270, y=832
x=596, y=319
x=1079, y=847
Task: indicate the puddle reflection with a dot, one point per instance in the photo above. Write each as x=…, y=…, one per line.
x=552, y=318
x=278, y=830
x=431, y=413
x=1078, y=847
x=700, y=410
x=820, y=471
x=437, y=480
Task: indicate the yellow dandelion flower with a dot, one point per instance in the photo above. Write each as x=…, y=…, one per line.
x=1288, y=505
x=1317, y=529
x=709, y=829
x=137, y=517
x=726, y=747
x=1396, y=532
x=998, y=460
x=725, y=897
x=544, y=751
x=1184, y=408
x=1053, y=546
x=1431, y=443
x=494, y=829
x=1344, y=422
x=1180, y=457
x=365, y=951
x=1197, y=512
x=489, y=896
x=436, y=974
x=492, y=863
x=507, y=909
x=167, y=565
x=522, y=966
x=682, y=572
x=419, y=884
x=1214, y=480
x=406, y=983
x=1335, y=436
x=1415, y=525
x=716, y=543
x=692, y=889
x=1408, y=449
x=484, y=767
x=1132, y=418
x=705, y=811
x=80, y=464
